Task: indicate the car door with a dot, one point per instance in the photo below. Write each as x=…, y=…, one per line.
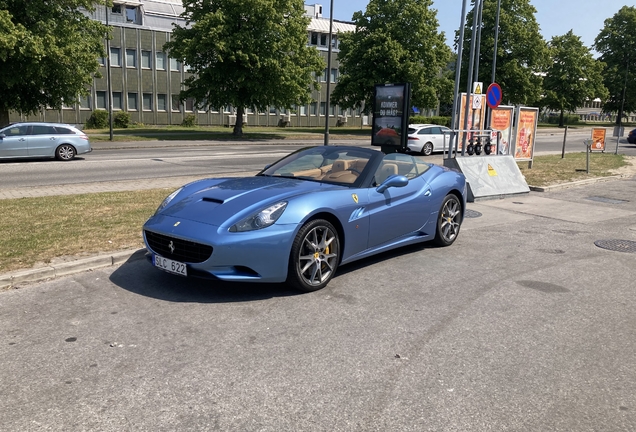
x=43, y=140
x=398, y=211
x=15, y=141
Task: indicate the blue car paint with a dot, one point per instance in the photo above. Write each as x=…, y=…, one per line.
x=205, y=210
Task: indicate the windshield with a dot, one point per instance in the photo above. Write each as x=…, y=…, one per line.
x=340, y=165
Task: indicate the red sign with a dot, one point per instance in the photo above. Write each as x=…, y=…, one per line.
x=493, y=95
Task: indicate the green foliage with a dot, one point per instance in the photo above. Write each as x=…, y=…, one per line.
x=121, y=120
x=521, y=50
x=249, y=53
x=617, y=45
x=438, y=120
x=573, y=76
x=567, y=120
x=189, y=121
x=48, y=53
x=394, y=41
x=97, y=120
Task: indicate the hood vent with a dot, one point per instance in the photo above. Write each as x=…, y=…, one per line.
x=212, y=200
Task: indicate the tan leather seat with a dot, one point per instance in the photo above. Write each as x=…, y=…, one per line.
x=385, y=171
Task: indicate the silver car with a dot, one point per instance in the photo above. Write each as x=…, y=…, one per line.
x=427, y=138
x=35, y=140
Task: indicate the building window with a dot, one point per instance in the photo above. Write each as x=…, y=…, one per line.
x=115, y=59
x=302, y=110
x=131, y=58
x=176, y=103
x=100, y=100
x=161, y=61
x=131, y=14
x=132, y=101
x=313, y=107
x=314, y=38
x=272, y=110
x=101, y=61
x=334, y=75
x=323, y=108
x=161, y=102
x=116, y=9
x=189, y=105
x=147, y=101
x=85, y=102
x=332, y=110
x=175, y=65
x=323, y=39
x=117, y=100
x=146, y=59
x=323, y=78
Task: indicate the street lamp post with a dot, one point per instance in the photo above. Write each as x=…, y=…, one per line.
x=108, y=78
x=329, y=50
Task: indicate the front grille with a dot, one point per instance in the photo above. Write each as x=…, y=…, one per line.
x=184, y=250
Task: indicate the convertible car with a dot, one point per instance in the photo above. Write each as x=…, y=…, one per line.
x=303, y=216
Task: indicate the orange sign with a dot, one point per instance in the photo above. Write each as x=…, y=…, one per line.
x=598, y=139
x=526, y=129
x=477, y=114
x=501, y=120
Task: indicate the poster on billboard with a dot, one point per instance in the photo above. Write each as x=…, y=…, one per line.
x=391, y=115
x=476, y=117
x=501, y=120
x=525, y=133
x=598, y=139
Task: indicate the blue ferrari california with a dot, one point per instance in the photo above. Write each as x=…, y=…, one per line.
x=303, y=216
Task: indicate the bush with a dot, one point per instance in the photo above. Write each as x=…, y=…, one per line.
x=442, y=121
x=189, y=121
x=121, y=120
x=567, y=119
x=97, y=120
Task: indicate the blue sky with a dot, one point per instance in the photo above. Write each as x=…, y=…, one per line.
x=555, y=17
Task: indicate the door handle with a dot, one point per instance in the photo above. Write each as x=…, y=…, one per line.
x=427, y=193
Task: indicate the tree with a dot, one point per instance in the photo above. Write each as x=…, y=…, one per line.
x=246, y=53
x=521, y=50
x=573, y=76
x=48, y=54
x=394, y=41
x=617, y=45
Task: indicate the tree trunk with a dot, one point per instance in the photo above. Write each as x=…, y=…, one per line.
x=4, y=117
x=561, y=119
x=238, y=126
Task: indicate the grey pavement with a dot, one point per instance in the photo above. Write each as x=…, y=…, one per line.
x=89, y=263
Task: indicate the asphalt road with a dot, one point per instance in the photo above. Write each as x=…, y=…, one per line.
x=522, y=325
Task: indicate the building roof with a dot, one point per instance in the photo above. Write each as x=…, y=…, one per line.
x=322, y=25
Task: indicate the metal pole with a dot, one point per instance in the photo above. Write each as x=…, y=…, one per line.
x=458, y=71
x=620, y=114
x=565, y=137
x=328, y=75
x=469, y=89
x=494, y=55
x=477, y=54
x=108, y=79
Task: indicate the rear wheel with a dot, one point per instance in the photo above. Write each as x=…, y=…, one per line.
x=427, y=149
x=449, y=221
x=65, y=152
x=314, y=256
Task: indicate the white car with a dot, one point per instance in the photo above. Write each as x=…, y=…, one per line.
x=427, y=138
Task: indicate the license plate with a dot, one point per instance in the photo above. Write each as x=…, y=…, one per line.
x=171, y=266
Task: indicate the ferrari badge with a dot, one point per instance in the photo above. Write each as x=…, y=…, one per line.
x=355, y=198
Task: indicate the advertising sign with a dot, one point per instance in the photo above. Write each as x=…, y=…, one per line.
x=525, y=133
x=391, y=116
x=474, y=115
x=598, y=139
x=501, y=120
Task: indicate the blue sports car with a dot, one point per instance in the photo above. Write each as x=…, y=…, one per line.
x=303, y=216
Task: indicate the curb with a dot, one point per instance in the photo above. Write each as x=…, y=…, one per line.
x=9, y=280
x=577, y=183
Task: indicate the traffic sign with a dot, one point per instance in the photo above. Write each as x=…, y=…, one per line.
x=493, y=95
x=477, y=101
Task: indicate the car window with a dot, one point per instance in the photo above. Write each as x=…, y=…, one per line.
x=15, y=130
x=412, y=131
x=400, y=164
x=424, y=131
x=43, y=130
x=436, y=130
x=64, y=131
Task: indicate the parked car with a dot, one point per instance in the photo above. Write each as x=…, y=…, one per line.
x=631, y=138
x=303, y=216
x=427, y=138
x=35, y=140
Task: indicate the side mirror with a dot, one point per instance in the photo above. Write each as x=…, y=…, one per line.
x=392, y=181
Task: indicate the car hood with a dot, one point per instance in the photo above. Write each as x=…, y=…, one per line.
x=215, y=201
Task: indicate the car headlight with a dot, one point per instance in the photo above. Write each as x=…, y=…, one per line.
x=168, y=199
x=260, y=220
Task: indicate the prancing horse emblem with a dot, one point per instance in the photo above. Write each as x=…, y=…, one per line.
x=171, y=247
x=355, y=197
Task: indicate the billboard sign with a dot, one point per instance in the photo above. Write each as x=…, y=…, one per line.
x=527, y=119
x=391, y=108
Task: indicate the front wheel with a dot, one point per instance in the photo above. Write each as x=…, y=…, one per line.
x=314, y=256
x=449, y=221
x=427, y=149
x=65, y=152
